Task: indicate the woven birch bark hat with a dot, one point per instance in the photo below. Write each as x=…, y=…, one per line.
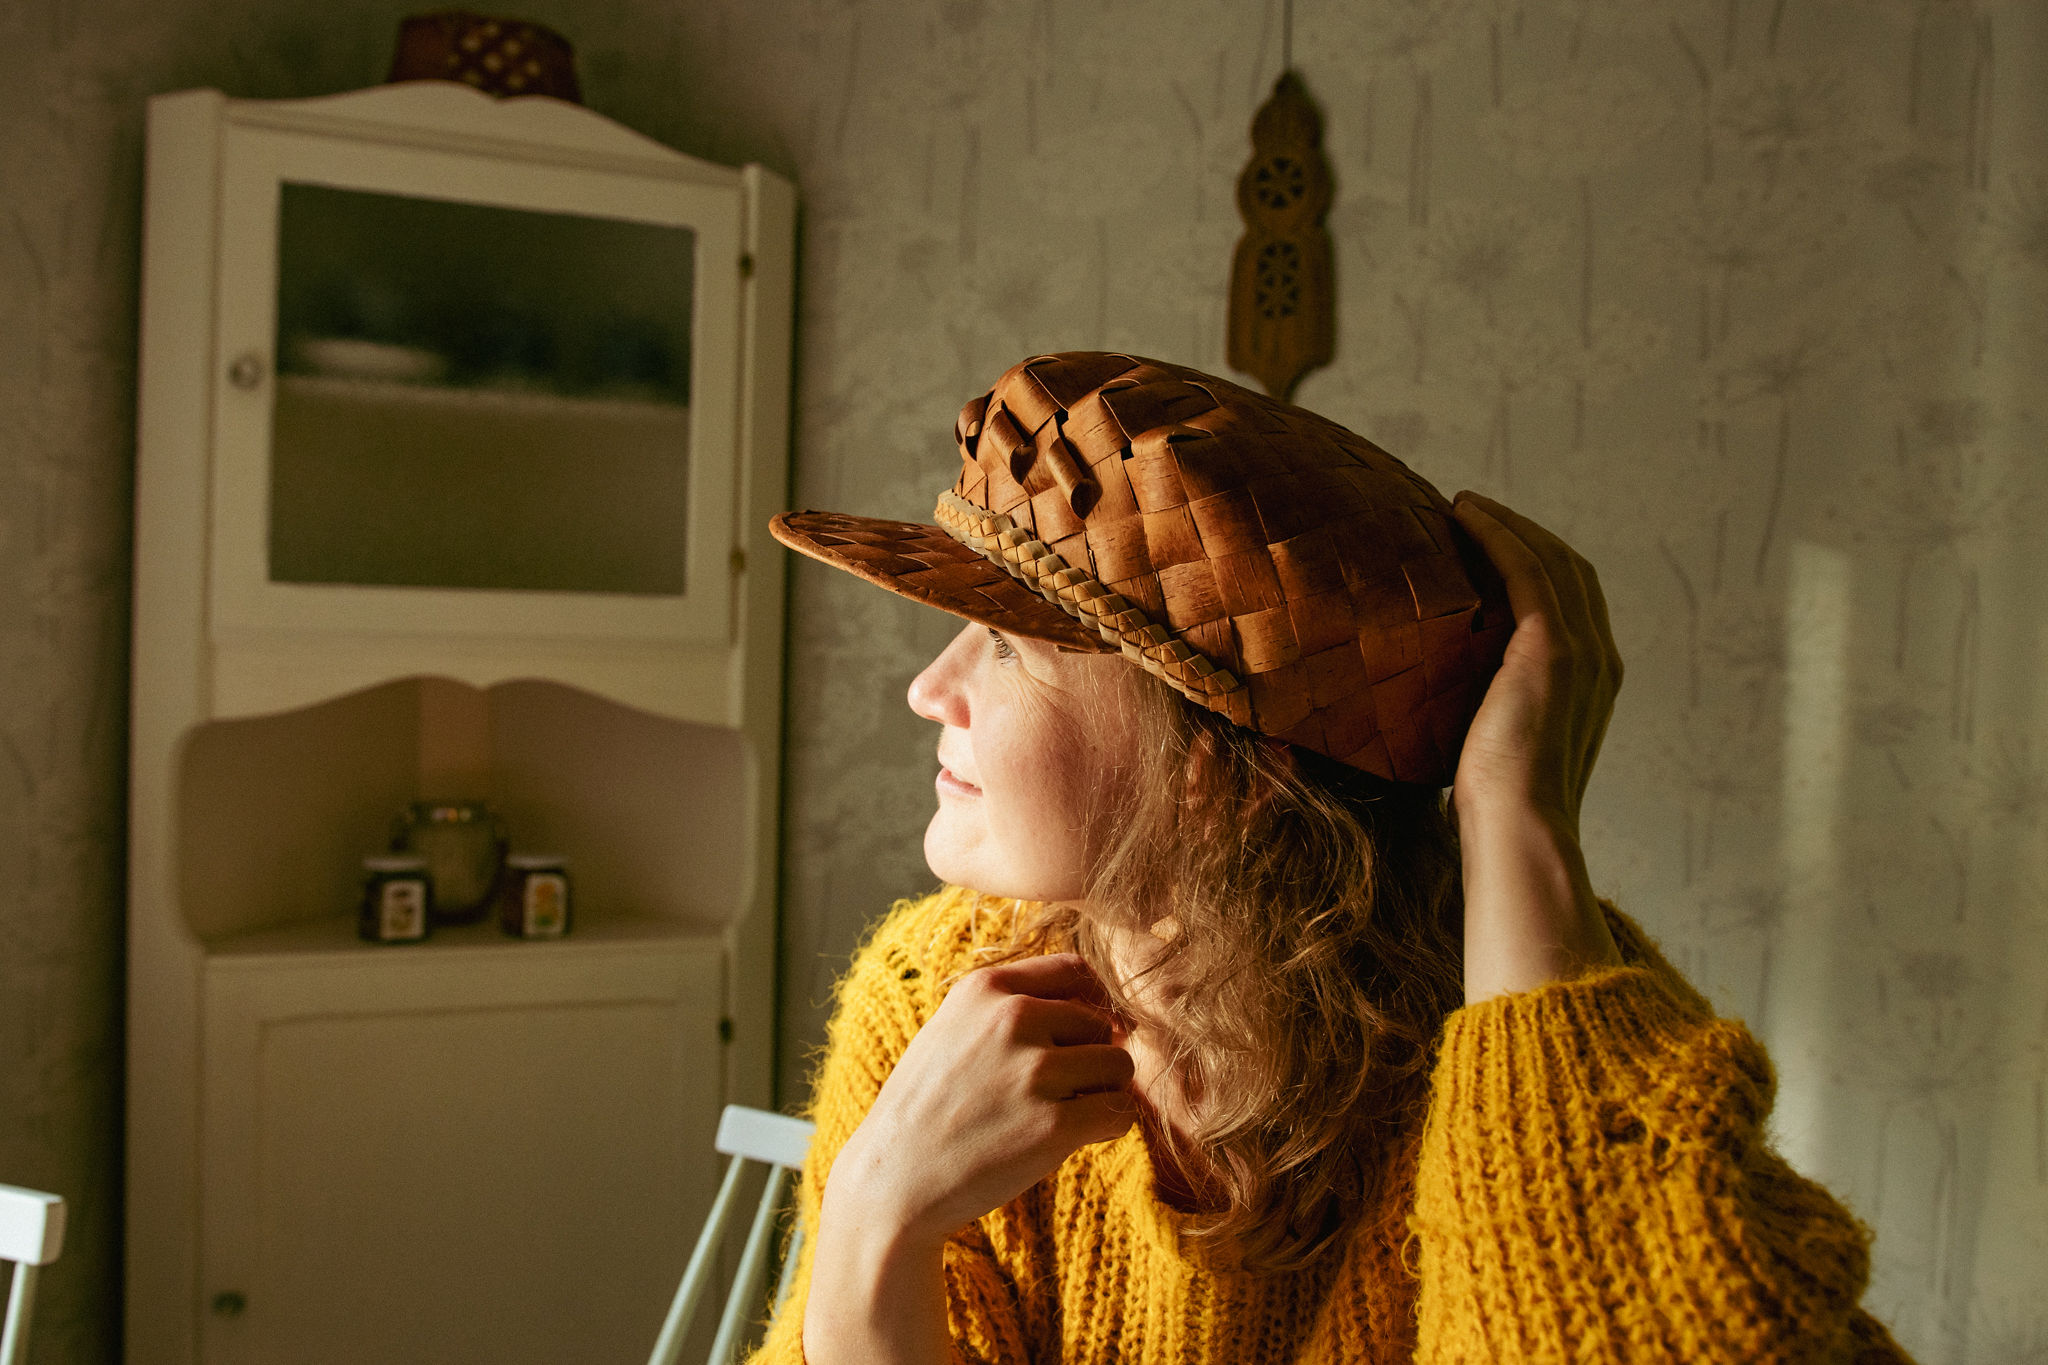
x=1267, y=563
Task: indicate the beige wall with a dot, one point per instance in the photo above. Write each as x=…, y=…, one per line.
x=1743, y=296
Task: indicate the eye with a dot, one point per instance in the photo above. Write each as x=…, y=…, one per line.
x=1004, y=650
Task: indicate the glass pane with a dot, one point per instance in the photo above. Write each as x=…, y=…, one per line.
x=473, y=397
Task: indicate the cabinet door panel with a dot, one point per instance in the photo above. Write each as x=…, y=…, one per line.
x=454, y=396
x=454, y=1176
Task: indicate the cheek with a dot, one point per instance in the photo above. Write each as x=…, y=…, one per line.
x=1044, y=771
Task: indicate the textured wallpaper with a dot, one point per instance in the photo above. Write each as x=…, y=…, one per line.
x=1747, y=298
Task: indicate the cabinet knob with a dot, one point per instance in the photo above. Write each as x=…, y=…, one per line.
x=246, y=372
x=229, y=1303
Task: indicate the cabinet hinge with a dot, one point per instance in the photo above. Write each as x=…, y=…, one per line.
x=725, y=1030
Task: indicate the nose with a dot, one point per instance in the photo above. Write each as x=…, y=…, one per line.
x=936, y=693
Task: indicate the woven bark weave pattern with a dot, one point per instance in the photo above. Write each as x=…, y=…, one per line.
x=1268, y=563
x=927, y=565
x=1142, y=640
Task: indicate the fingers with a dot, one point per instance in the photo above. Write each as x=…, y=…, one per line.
x=1054, y=976
x=1054, y=1000
x=1531, y=589
x=1055, y=1023
x=1064, y=1072
x=1547, y=571
x=1098, y=1117
x=1588, y=626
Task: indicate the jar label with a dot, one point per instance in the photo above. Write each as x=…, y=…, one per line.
x=544, y=905
x=402, y=909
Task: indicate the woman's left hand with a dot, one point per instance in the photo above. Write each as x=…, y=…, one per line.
x=1530, y=914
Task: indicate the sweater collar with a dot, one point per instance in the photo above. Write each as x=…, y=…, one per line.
x=1133, y=1179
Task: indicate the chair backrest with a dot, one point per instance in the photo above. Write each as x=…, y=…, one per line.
x=781, y=1143
x=31, y=1236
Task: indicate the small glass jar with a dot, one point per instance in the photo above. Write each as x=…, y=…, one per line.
x=398, y=899
x=535, y=903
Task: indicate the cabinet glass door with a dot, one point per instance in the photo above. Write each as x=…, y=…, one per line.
x=464, y=395
x=471, y=396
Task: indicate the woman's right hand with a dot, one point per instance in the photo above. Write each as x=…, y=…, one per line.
x=1021, y=1065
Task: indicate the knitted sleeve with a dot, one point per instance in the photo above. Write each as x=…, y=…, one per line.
x=892, y=988
x=1594, y=1185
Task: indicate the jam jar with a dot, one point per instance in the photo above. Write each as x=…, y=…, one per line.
x=535, y=900
x=398, y=899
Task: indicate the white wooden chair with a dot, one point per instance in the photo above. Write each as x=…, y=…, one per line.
x=744, y=1135
x=31, y=1235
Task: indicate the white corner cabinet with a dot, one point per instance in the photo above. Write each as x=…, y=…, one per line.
x=460, y=424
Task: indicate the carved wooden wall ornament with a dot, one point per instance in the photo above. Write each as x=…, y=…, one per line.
x=1283, y=319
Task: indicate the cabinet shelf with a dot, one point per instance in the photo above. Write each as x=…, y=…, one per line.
x=480, y=399
x=334, y=937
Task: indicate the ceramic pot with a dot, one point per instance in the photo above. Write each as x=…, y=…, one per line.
x=464, y=845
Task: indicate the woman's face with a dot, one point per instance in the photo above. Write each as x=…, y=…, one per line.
x=1035, y=739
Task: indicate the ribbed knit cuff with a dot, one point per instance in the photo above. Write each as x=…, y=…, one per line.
x=1623, y=1055
x=1593, y=1185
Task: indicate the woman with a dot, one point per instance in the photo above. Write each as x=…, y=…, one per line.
x=1227, y=1040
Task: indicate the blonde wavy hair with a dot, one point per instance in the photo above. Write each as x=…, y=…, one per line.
x=1318, y=912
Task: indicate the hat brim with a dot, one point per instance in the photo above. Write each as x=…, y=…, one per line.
x=923, y=563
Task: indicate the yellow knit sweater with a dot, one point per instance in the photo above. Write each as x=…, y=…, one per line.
x=1592, y=1184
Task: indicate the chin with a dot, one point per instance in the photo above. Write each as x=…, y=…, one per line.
x=958, y=866
x=973, y=874
x=958, y=850
x=943, y=853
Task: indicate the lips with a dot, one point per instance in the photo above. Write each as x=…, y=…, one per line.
x=950, y=781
